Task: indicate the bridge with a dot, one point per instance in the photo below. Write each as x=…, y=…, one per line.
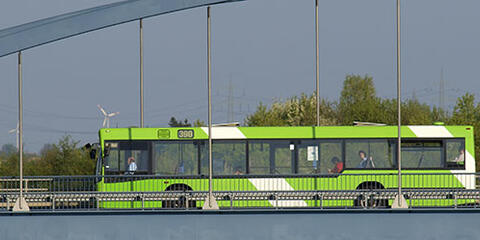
x=71, y=207
x=155, y=193
x=23, y=37
x=260, y=224
x=29, y=35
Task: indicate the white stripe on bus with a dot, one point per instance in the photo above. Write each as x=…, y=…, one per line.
x=468, y=180
x=430, y=131
x=225, y=133
x=277, y=184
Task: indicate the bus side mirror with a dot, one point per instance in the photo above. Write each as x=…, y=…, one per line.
x=93, y=154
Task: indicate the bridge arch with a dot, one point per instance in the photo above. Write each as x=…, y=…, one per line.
x=29, y=35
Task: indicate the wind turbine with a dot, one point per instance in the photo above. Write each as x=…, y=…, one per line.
x=16, y=131
x=106, y=120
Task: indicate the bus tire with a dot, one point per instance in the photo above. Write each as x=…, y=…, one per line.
x=367, y=201
x=181, y=202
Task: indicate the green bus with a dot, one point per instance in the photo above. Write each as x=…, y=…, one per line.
x=327, y=158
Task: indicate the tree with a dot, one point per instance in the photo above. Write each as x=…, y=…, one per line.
x=294, y=111
x=9, y=166
x=62, y=158
x=413, y=112
x=199, y=123
x=466, y=113
x=8, y=149
x=46, y=148
x=358, y=100
x=175, y=123
x=65, y=158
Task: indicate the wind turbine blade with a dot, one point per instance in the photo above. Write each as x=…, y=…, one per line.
x=104, y=122
x=113, y=114
x=13, y=130
x=102, y=110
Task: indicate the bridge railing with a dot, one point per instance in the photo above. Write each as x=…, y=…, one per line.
x=322, y=191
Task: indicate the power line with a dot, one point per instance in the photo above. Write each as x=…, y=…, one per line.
x=6, y=108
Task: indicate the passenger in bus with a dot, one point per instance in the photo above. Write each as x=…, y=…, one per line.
x=338, y=165
x=365, y=162
x=461, y=155
x=132, y=166
x=238, y=171
x=180, y=169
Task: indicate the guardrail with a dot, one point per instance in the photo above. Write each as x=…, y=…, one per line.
x=97, y=193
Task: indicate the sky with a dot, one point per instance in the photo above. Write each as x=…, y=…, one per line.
x=261, y=49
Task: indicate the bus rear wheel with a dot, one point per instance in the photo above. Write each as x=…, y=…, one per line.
x=368, y=200
x=181, y=202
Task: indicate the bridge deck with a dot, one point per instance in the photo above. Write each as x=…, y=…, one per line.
x=211, y=225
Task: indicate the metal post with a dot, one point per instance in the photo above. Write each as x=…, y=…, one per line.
x=399, y=201
x=141, y=73
x=317, y=57
x=20, y=204
x=20, y=123
x=210, y=202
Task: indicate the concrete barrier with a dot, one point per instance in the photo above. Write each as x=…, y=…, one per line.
x=231, y=225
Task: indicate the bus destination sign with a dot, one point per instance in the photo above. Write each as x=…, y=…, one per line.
x=185, y=133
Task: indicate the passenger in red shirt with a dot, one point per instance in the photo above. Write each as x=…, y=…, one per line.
x=338, y=165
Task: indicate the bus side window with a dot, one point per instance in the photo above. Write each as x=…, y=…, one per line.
x=229, y=157
x=259, y=157
x=320, y=156
x=374, y=153
x=111, y=160
x=331, y=157
x=455, y=149
x=175, y=158
x=270, y=157
x=422, y=154
x=308, y=157
x=138, y=150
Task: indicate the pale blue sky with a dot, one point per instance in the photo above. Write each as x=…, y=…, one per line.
x=266, y=48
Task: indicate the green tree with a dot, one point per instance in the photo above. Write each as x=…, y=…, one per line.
x=466, y=112
x=294, y=111
x=65, y=158
x=358, y=100
x=199, y=123
x=62, y=158
x=175, y=123
x=9, y=165
x=8, y=149
x=413, y=112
